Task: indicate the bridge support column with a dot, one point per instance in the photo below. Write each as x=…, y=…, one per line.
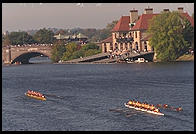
x=6, y=57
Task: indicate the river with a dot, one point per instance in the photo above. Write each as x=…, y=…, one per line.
x=88, y=97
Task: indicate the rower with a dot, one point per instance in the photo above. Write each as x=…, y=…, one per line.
x=156, y=110
x=165, y=106
x=142, y=105
x=134, y=103
x=145, y=105
x=130, y=102
x=148, y=106
x=179, y=109
x=139, y=105
x=159, y=105
x=152, y=107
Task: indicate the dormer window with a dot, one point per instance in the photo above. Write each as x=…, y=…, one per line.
x=131, y=25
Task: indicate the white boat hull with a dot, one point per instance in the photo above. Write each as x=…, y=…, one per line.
x=144, y=110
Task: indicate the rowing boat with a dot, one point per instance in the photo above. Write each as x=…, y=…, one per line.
x=144, y=110
x=35, y=97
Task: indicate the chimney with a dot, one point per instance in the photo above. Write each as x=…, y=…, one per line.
x=166, y=10
x=180, y=9
x=148, y=11
x=133, y=16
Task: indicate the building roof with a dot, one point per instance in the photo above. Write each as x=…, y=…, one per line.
x=186, y=15
x=108, y=40
x=122, y=24
x=81, y=36
x=143, y=22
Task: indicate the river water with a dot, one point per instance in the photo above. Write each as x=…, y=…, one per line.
x=88, y=97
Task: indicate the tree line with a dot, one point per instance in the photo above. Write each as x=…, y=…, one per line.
x=72, y=51
x=46, y=36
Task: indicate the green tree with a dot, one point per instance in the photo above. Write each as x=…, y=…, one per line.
x=168, y=37
x=44, y=36
x=188, y=32
x=57, y=51
x=90, y=46
x=20, y=38
x=70, y=49
x=91, y=52
x=111, y=25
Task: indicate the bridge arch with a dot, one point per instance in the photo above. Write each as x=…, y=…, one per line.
x=24, y=58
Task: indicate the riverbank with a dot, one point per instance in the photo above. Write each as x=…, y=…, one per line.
x=185, y=57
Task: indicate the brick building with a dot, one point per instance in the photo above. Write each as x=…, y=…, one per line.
x=130, y=31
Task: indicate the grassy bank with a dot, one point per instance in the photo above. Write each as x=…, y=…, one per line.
x=188, y=57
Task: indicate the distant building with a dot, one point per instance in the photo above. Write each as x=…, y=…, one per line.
x=79, y=38
x=107, y=44
x=130, y=32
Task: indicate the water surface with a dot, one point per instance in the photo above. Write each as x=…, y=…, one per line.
x=80, y=96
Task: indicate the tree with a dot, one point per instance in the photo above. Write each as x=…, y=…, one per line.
x=44, y=36
x=57, y=51
x=90, y=46
x=20, y=38
x=111, y=25
x=170, y=33
x=70, y=49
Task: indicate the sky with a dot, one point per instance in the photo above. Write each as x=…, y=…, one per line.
x=27, y=16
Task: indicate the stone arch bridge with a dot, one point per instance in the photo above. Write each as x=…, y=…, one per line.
x=22, y=54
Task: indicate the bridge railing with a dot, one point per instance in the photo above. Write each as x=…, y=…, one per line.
x=31, y=45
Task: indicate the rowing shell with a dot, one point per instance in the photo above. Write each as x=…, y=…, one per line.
x=35, y=97
x=144, y=110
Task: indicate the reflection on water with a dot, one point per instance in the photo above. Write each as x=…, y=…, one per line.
x=40, y=59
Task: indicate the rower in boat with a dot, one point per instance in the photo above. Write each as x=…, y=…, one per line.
x=139, y=105
x=142, y=105
x=156, y=110
x=159, y=105
x=165, y=106
x=35, y=95
x=134, y=103
x=179, y=109
x=130, y=102
x=152, y=107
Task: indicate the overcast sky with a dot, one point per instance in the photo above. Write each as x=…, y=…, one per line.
x=26, y=16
